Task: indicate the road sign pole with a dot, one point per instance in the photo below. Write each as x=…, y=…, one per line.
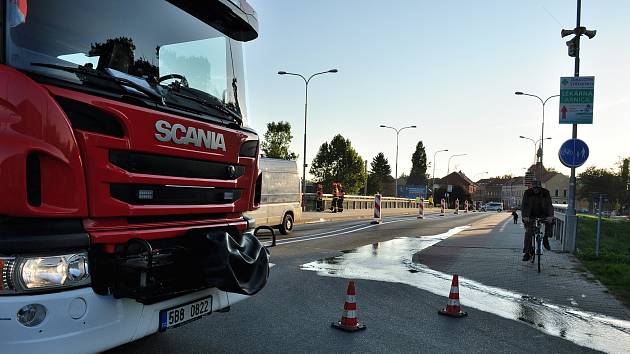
x=571, y=229
x=599, y=225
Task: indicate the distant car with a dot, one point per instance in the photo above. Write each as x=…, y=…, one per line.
x=493, y=206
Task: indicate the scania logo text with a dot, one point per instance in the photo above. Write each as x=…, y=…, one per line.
x=182, y=135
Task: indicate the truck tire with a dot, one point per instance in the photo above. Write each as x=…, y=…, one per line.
x=287, y=224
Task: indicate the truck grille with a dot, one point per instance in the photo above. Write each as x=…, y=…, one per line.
x=136, y=194
x=152, y=164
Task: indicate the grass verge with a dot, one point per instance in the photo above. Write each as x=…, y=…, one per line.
x=612, y=267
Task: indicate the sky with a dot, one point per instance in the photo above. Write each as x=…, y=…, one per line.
x=449, y=67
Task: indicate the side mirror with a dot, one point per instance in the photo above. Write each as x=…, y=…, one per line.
x=265, y=237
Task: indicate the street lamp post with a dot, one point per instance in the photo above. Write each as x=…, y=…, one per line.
x=536, y=143
x=306, y=81
x=474, y=178
x=433, y=176
x=542, y=133
x=448, y=171
x=397, y=132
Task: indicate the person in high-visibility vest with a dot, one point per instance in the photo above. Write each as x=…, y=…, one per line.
x=335, y=194
x=340, y=196
x=319, y=200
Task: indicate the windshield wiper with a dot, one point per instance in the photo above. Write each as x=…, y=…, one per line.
x=120, y=81
x=211, y=102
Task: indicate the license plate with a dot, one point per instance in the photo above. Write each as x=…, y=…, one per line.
x=179, y=315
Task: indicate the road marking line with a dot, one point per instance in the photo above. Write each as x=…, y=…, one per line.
x=504, y=225
x=337, y=234
x=355, y=228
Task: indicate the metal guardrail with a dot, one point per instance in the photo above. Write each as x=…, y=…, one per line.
x=559, y=230
x=362, y=202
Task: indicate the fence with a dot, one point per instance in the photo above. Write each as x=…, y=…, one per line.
x=559, y=230
x=361, y=202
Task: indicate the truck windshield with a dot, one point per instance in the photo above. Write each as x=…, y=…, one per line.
x=152, y=43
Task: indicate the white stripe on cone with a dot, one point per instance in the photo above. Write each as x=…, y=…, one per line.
x=350, y=314
x=351, y=299
x=453, y=302
x=454, y=290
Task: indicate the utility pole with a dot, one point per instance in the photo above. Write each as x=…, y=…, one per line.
x=366, y=179
x=574, y=51
x=599, y=225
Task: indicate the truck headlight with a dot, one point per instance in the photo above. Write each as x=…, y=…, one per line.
x=36, y=273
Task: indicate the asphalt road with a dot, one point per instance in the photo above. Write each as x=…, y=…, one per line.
x=293, y=313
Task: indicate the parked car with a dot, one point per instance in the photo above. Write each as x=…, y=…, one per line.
x=493, y=206
x=280, y=195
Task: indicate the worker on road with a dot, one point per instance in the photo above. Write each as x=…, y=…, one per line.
x=335, y=194
x=340, y=196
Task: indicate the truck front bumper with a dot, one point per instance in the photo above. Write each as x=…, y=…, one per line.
x=80, y=321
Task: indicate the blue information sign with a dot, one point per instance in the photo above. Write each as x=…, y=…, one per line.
x=573, y=153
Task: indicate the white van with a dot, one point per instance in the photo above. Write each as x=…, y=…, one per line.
x=494, y=206
x=280, y=195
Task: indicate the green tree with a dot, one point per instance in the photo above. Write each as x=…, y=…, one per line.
x=277, y=140
x=380, y=170
x=402, y=179
x=417, y=176
x=599, y=180
x=338, y=161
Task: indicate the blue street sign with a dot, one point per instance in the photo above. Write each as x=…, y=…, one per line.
x=573, y=153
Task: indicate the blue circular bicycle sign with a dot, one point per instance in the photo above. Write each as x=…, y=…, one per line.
x=573, y=153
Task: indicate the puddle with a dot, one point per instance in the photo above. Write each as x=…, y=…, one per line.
x=393, y=261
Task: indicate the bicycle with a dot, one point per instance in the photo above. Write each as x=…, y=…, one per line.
x=537, y=239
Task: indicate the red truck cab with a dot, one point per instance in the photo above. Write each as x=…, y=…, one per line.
x=126, y=164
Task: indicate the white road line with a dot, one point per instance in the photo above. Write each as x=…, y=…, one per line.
x=504, y=225
x=352, y=229
x=284, y=242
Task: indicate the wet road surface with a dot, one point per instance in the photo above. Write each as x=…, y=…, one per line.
x=293, y=313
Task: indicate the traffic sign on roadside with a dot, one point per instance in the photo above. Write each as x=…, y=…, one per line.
x=573, y=153
x=576, y=100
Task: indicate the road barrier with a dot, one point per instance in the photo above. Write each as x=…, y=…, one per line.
x=466, y=206
x=421, y=209
x=456, y=206
x=442, y=206
x=360, y=202
x=378, y=218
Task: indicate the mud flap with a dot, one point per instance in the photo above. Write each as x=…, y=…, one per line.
x=237, y=267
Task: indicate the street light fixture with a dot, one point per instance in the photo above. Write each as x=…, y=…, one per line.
x=433, y=177
x=535, y=143
x=306, y=81
x=448, y=169
x=542, y=133
x=397, y=132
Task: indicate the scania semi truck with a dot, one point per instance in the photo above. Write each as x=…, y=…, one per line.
x=126, y=164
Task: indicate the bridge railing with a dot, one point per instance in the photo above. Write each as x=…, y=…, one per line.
x=559, y=231
x=362, y=202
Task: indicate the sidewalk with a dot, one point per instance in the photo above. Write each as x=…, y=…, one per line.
x=490, y=252
x=357, y=214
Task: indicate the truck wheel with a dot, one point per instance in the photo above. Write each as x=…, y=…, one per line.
x=287, y=224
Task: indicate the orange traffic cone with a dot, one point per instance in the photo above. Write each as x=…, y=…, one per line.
x=452, y=308
x=349, y=321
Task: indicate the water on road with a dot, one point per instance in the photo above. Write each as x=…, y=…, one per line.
x=394, y=261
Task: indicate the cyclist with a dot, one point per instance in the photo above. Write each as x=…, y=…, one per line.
x=536, y=204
